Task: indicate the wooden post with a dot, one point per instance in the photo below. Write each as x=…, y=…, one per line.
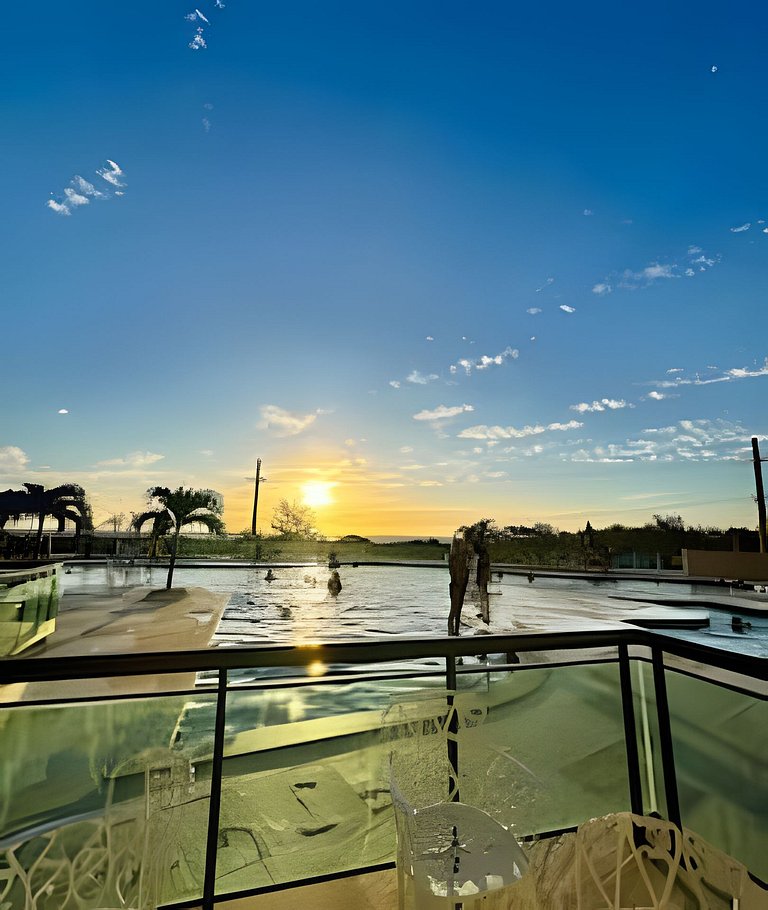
x=256, y=496
x=760, y=493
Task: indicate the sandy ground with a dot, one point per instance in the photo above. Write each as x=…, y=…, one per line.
x=137, y=621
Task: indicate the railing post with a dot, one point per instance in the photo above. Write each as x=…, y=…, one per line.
x=453, y=729
x=665, y=737
x=214, y=805
x=630, y=732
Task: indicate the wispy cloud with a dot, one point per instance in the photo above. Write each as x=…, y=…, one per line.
x=729, y=375
x=533, y=310
x=80, y=191
x=421, y=378
x=195, y=15
x=688, y=440
x=198, y=42
x=567, y=309
x=86, y=187
x=694, y=261
x=132, y=460
x=111, y=173
x=73, y=198
x=443, y=412
x=395, y=383
x=13, y=460
x=483, y=431
x=284, y=423
x=58, y=207
x=484, y=362
x=612, y=404
x=546, y=284
x=741, y=228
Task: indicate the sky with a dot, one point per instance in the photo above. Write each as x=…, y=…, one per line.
x=429, y=262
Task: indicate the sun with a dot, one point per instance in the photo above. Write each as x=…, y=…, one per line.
x=317, y=493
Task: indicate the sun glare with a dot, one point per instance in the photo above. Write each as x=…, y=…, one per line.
x=317, y=493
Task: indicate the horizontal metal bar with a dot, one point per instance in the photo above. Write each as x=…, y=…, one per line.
x=223, y=899
x=286, y=655
x=92, y=666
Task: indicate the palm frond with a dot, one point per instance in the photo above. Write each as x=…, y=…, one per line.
x=157, y=516
x=214, y=524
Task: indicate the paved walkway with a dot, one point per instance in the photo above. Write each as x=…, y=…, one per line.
x=139, y=620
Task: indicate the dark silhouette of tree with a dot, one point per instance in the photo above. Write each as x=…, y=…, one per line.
x=65, y=502
x=176, y=508
x=669, y=522
x=294, y=520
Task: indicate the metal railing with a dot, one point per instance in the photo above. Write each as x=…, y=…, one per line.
x=664, y=654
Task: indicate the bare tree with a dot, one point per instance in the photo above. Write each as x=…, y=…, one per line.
x=294, y=520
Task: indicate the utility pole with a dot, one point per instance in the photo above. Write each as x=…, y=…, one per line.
x=760, y=493
x=256, y=496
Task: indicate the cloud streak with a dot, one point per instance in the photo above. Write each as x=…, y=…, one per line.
x=418, y=378
x=611, y=404
x=483, y=431
x=484, y=362
x=695, y=261
x=443, y=412
x=132, y=460
x=282, y=423
x=730, y=375
x=688, y=440
x=80, y=191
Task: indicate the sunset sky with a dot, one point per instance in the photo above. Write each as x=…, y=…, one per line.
x=436, y=261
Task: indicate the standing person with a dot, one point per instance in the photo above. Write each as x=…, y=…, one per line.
x=334, y=583
x=459, y=560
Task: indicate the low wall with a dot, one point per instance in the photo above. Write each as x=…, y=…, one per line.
x=725, y=564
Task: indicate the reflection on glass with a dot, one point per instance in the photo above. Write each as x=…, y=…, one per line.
x=306, y=783
x=720, y=742
x=105, y=803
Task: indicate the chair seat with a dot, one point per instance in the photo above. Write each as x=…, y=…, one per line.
x=457, y=850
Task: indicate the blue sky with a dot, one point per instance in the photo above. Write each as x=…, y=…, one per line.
x=436, y=261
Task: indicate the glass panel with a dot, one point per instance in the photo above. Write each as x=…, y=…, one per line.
x=28, y=609
x=720, y=742
x=551, y=752
x=104, y=804
x=305, y=788
x=309, y=769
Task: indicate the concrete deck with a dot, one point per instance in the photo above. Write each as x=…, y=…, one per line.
x=136, y=621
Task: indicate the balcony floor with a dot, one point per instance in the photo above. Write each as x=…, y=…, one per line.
x=375, y=891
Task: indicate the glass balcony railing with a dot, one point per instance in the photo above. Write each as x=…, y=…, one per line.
x=192, y=779
x=29, y=604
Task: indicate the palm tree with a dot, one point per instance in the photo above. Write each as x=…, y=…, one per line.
x=176, y=508
x=65, y=502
